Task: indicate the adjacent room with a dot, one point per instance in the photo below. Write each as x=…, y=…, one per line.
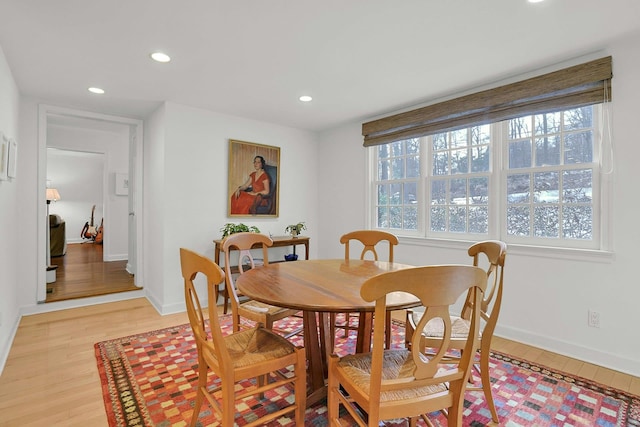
x=492, y=141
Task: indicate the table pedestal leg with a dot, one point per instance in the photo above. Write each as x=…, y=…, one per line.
x=363, y=343
x=315, y=350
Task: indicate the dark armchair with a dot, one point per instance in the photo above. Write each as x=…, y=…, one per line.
x=266, y=205
x=58, y=238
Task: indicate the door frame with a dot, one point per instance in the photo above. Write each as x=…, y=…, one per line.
x=135, y=188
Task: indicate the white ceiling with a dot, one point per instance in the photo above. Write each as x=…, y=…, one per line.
x=251, y=58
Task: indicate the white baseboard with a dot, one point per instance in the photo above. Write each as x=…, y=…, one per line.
x=5, y=347
x=117, y=257
x=164, y=309
x=576, y=351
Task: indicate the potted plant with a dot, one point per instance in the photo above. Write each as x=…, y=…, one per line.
x=295, y=229
x=231, y=228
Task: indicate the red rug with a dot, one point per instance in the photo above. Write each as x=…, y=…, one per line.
x=150, y=379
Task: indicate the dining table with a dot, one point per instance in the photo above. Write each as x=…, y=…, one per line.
x=317, y=288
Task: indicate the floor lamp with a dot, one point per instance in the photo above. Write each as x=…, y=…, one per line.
x=52, y=195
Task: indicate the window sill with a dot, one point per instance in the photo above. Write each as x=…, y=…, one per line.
x=587, y=255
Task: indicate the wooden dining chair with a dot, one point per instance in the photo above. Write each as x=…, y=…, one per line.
x=242, y=243
x=491, y=253
x=369, y=240
x=405, y=383
x=255, y=353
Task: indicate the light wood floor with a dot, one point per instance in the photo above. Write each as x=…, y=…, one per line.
x=51, y=378
x=82, y=273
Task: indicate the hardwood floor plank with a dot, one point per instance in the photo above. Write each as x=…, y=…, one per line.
x=588, y=371
x=620, y=381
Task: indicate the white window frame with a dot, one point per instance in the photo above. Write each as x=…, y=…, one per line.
x=601, y=202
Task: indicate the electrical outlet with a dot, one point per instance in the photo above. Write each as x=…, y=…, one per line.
x=594, y=319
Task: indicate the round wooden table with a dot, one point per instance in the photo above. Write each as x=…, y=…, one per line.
x=320, y=287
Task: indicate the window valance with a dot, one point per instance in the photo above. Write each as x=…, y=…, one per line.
x=575, y=86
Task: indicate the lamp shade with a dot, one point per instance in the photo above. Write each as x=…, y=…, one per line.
x=52, y=194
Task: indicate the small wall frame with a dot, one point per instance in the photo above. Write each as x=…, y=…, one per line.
x=122, y=184
x=13, y=159
x=4, y=157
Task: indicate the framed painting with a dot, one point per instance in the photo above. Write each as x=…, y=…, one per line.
x=254, y=179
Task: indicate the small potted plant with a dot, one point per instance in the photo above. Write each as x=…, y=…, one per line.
x=231, y=228
x=295, y=229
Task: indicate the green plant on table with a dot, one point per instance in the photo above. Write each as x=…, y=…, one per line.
x=231, y=228
x=295, y=229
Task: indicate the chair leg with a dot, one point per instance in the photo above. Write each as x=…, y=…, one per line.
x=226, y=300
x=300, y=387
x=261, y=380
x=454, y=414
x=346, y=324
x=387, y=331
x=333, y=406
x=332, y=327
x=486, y=384
x=196, y=408
x=236, y=322
x=202, y=389
x=228, y=406
x=408, y=330
x=345, y=330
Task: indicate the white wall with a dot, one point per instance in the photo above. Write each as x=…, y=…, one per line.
x=547, y=295
x=96, y=189
x=78, y=177
x=186, y=156
x=9, y=226
x=153, y=224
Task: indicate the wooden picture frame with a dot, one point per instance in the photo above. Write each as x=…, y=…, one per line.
x=247, y=195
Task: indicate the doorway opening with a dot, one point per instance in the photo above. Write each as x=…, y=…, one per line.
x=121, y=250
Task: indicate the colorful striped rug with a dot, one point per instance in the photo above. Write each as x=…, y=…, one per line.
x=149, y=380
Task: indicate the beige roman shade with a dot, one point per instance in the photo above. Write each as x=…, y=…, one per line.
x=584, y=84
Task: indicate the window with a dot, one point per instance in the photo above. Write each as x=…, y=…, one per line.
x=550, y=176
x=398, y=176
x=532, y=179
x=459, y=180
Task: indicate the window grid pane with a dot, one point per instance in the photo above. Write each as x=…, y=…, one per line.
x=398, y=172
x=561, y=203
x=460, y=179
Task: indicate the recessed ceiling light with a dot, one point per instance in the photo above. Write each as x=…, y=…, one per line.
x=535, y=1
x=305, y=98
x=160, y=57
x=96, y=90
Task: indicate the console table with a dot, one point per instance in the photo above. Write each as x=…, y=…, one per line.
x=278, y=241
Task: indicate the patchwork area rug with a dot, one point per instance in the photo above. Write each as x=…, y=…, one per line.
x=150, y=379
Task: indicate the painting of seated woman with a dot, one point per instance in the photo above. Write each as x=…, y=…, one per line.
x=253, y=179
